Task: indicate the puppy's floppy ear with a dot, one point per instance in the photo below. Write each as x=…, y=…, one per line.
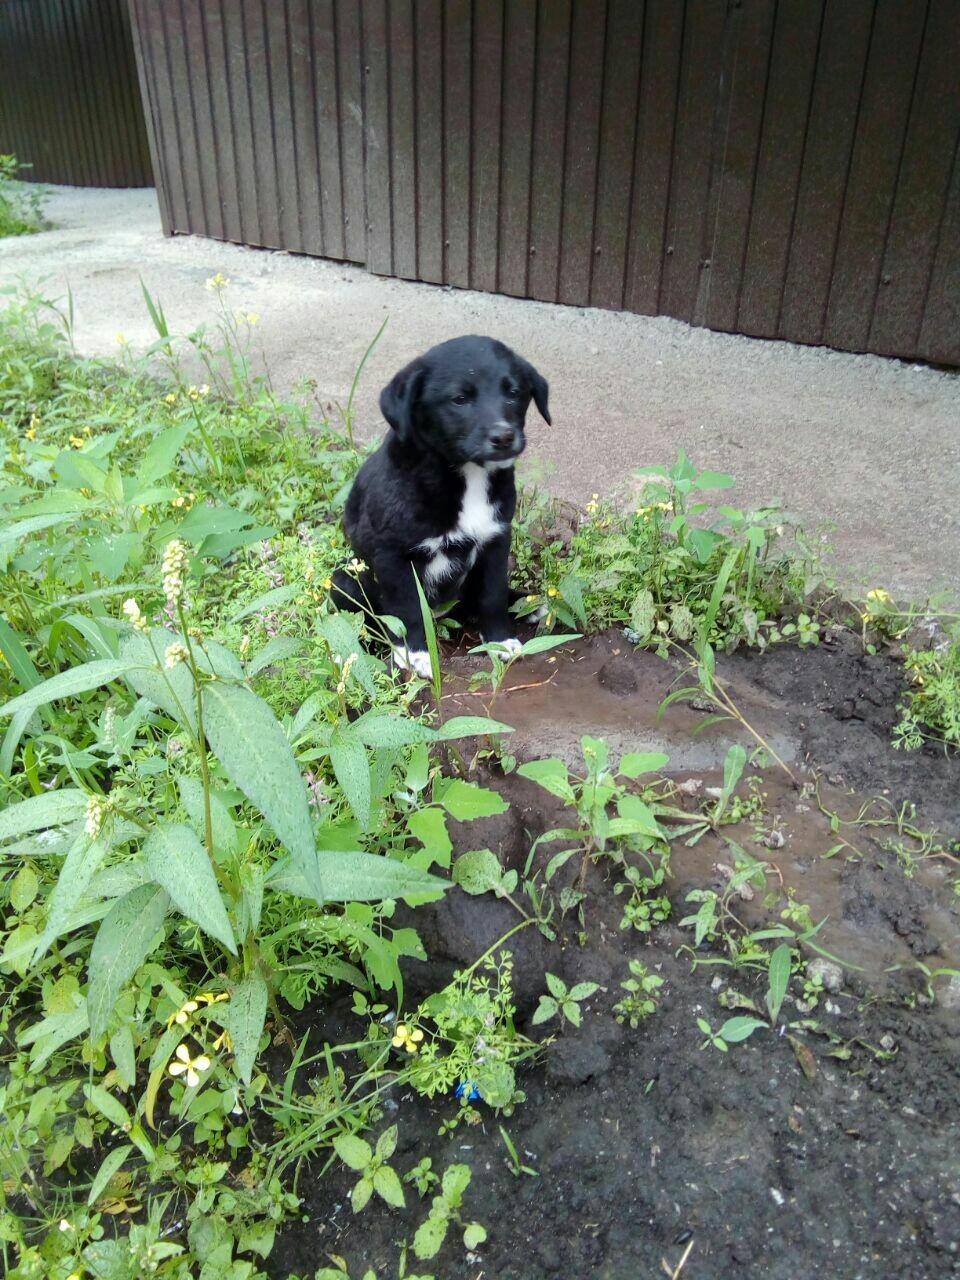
x=401, y=396
x=539, y=389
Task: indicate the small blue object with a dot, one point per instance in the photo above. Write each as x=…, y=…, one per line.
x=462, y=1088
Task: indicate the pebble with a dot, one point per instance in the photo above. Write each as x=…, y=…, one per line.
x=830, y=974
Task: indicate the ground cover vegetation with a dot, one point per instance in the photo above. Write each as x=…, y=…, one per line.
x=216, y=795
x=21, y=203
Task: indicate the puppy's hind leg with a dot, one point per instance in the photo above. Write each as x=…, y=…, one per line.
x=355, y=593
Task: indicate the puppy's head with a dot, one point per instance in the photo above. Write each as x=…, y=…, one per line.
x=465, y=400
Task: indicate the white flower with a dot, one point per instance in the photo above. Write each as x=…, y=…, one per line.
x=175, y=653
x=172, y=568
x=193, y=1067
x=132, y=610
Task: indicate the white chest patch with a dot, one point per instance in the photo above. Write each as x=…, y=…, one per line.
x=476, y=523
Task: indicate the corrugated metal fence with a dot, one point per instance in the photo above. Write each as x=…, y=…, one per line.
x=783, y=168
x=69, y=101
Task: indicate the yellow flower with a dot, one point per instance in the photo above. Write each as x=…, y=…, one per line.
x=182, y=1015
x=171, y=398
x=31, y=431
x=531, y=599
x=209, y=998
x=193, y=1067
x=879, y=595
x=552, y=592
x=77, y=441
x=407, y=1038
x=134, y=616
x=223, y=1041
x=244, y=645
x=218, y=282
x=122, y=340
x=357, y=566
x=247, y=317
x=174, y=654
x=88, y=430
x=198, y=393
x=327, y=583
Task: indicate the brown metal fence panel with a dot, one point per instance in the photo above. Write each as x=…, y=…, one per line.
x=70, y=106
x=781, y=168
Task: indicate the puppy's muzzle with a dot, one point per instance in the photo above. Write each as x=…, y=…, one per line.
x=505, y=442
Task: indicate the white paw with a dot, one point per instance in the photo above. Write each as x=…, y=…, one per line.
x=537, y=615
x=417, y=660
x=510, y=647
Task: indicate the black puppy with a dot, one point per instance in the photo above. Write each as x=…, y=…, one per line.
x=438, y=496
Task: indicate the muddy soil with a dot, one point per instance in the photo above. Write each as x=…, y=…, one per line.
x=826, y=1148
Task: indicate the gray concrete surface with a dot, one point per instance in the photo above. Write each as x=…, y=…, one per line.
x=865, y=450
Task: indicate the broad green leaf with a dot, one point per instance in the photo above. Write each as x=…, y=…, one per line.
x=247, y=739
x=779, y=977
x=470, y=727
x=388, y=1188
x=79, y=866
x=380, y=729
x=551, y=775
x=636, y=815
x=474, y=1233
x=124, y=940
x=583, y=990
x=11, y=535
x=224, y=828
x=17, y=658
x=465, y=800
x=387, y=1143
x=340, y=634
x=634, y=763
x=556, y=987
x=123, y=1054
x=269, y=600
x=202, y=521
x=571, y=1011
x=356, y=877
x=275, y=650
x=546, y=1009
x=352, y=770
x=477, y=871
x=353, y=1151
x=89, y=675
x=178, y=861
x=360, y=1194
x=111, y=1163
x=429, y=1237
x=246, y=1014
x=714, y=480
x=736, y=1029
x=430, y=828
x=23, y=889
x=51, y=809
x=161, y=455
x=172, y=691
x=109, y=1106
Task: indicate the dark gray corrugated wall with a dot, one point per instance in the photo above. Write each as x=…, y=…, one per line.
x=783, y=168
x=70, y=105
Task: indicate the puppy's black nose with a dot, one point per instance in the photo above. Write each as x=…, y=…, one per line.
x=502, y=439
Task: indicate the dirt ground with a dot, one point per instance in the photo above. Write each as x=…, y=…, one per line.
x=864, y=449
x=826, y=1149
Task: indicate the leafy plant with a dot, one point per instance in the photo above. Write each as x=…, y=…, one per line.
x=563, y=1001
x=21, y=203
x=445, y=1212
x=643, y=995
x=376, y=1175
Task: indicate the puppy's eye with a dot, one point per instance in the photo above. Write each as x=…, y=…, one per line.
x=513, y=393
x=459, y=398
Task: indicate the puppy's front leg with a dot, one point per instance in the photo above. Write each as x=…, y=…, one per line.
x=489, y=584
x=397, y=591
